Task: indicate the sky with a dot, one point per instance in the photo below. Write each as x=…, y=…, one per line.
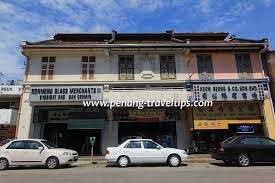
x=35, y=20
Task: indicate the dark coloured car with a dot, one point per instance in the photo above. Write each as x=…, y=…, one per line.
x=245, y=150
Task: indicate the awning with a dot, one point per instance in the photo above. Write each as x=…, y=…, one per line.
x=76, y=124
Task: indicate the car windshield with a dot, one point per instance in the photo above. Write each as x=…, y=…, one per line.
x=229, y=140
x=49, y=144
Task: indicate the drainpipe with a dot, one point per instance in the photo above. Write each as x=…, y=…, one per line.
x=260, y=58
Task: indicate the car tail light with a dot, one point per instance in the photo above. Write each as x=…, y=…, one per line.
x=107, y=151
x=221, y=149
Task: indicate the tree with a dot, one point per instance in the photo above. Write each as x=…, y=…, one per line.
x=1, y=76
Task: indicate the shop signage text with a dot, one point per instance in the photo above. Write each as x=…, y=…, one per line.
x=229, y=92
x=245, y=129
x=221, y=114
x=10, y=90
x=65, y=93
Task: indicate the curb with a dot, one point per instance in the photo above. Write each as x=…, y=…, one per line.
x=104, y=163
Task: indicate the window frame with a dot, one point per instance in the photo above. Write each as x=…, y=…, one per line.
x=32, y=142
x=237, y=61
x=167, y=62
x=263, y=138
x=8, y=147
x=250, y=138
x=47, y=72
x=134, y=141
x=211, y=67
x=157, y=145
x=126, y=69
x=91, y=60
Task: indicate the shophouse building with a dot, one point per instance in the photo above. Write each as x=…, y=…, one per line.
x=10, y=92
x=64, y=71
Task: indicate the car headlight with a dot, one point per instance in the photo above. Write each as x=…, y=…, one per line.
x=66, y=153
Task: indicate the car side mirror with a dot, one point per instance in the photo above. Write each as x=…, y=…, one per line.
x=158, y=147
x=41, y=149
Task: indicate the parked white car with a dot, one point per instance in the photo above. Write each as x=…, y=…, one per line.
x=139, y=151
x=30, y=152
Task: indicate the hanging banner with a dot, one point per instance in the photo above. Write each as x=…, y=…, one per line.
x=65, y=93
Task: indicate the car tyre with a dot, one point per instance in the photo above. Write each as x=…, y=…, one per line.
x=123, y=161
x=243, y=160
x=52, y=163
x=4, y=164
x=173, y=160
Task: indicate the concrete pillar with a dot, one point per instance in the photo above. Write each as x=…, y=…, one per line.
x=25, y=120
x=269, y=118
x=188, y=128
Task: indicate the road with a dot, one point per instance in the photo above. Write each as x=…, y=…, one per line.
x=193, y=173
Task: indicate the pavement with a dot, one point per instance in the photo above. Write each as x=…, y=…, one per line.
x=189, y=172
x=99, y=161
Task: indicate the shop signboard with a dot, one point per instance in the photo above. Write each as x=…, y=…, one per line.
x=245, y=129
x=65, y=93
x=209, y=125
x=229, y=92
x=225, y=114
x=10, y=89
x=147, y=114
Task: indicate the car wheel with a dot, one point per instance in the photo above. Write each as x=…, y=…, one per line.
x=52, y=163
x=173, y=160
x=243, y=160
x=123, y=161
x=4, y=164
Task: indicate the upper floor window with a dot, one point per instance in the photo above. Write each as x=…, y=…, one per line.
x=126, y=67
x=244, y=67
x=205, y=66
x=47, y=68
x=88, y=67
x=167, y=67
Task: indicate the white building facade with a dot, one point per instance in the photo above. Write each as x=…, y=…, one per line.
x=117, y=72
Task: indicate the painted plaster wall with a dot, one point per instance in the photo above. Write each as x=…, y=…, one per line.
x=224, y=66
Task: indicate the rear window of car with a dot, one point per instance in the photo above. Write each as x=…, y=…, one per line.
x=4, y=142
x=133, y=144
x=229, y=140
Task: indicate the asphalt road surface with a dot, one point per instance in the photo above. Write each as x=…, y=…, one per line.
x=192, y=173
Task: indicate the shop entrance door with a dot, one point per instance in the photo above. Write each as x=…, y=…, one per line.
x=77, y=139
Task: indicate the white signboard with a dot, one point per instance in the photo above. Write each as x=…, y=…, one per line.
x=10, y=89
x=229, y=92
x=8, y=116
x=65, y=93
